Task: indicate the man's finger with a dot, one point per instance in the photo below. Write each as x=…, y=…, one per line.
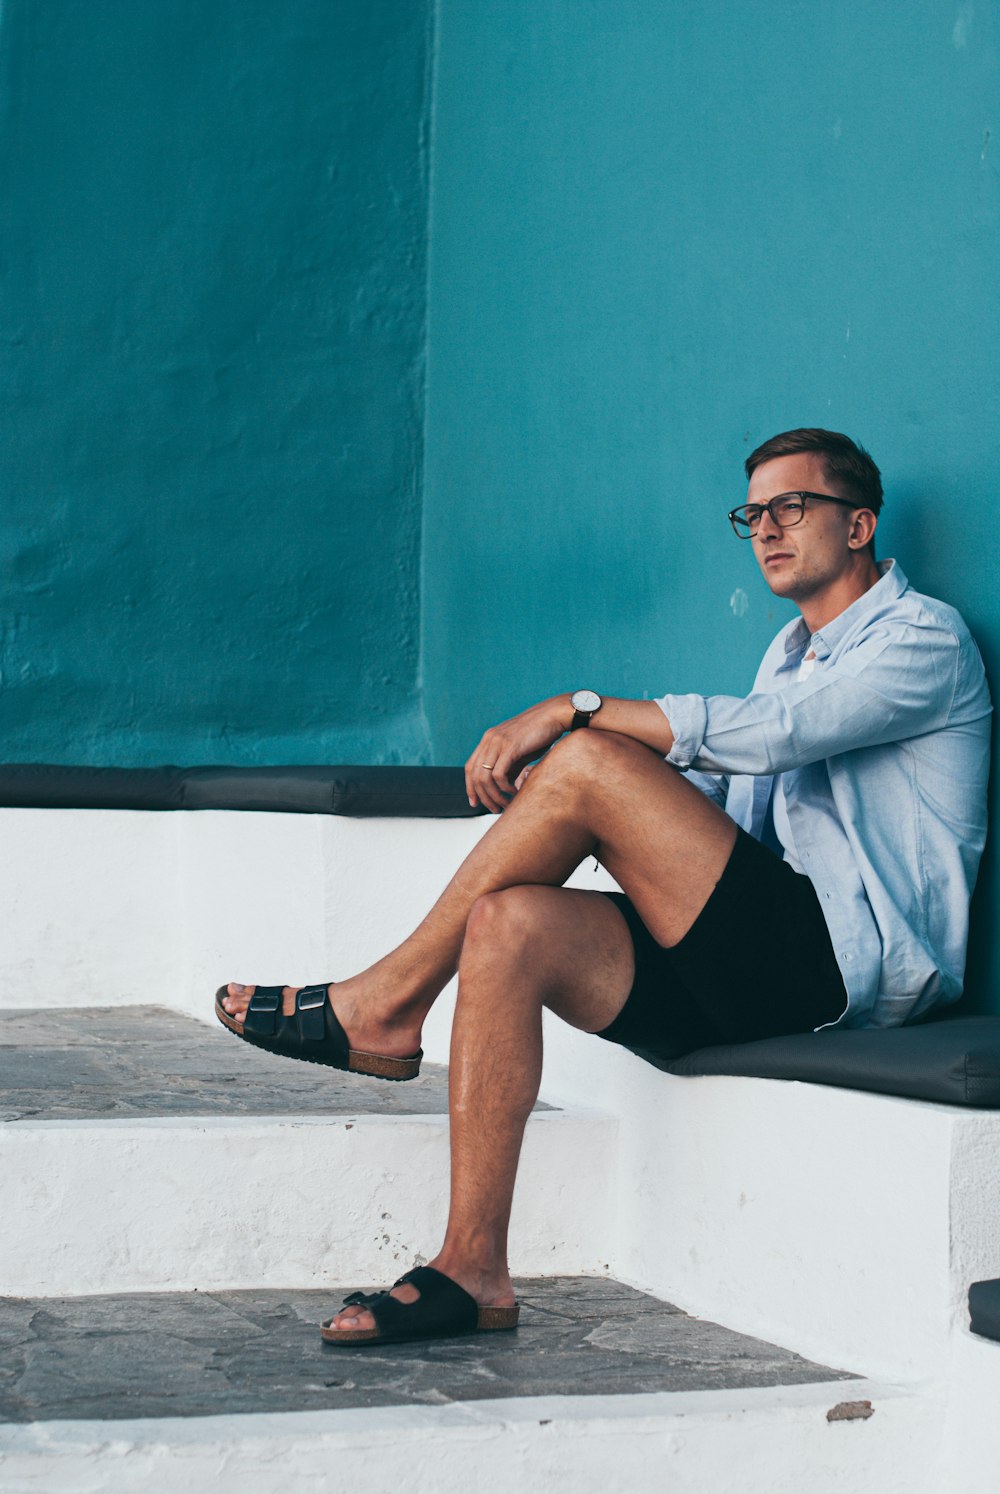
x=489, y=801
x=488, y=790
x=472, y=773
x=501, y=772
x=499, y=758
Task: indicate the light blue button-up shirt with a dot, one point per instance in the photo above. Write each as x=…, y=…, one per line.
x=884, y=757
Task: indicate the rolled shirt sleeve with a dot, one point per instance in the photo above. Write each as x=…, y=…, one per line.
x=688, y=719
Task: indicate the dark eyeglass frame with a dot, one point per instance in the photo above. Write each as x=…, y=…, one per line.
x=738, y=516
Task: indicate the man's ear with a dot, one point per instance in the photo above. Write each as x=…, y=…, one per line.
x=863, y=526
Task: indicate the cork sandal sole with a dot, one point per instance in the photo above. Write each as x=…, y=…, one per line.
x=329, y=1053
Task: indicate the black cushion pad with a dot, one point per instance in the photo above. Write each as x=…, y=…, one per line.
x=42, y=786
x=357, y=791
x=955, y=1061
x=984, y=1308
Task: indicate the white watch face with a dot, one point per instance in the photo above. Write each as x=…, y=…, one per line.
x=585, y=700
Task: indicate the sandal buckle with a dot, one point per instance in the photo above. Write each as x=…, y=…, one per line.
x=311, y=997
x=265, y=1001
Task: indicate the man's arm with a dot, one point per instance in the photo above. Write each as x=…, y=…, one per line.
x=899, y=682
x=504, y=751
x=634, y=718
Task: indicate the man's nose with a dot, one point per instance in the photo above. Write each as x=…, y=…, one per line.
x=767, y=528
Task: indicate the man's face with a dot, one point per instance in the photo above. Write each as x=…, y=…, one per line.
x=802, y=561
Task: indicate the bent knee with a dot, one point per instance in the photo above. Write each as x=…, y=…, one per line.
x=585, y=754
x=501, y=921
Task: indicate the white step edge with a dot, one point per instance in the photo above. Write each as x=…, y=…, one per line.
x=212, y=1203
x=775, y=1440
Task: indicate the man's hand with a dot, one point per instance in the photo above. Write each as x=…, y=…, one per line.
x=498, y=766
x=502, y=761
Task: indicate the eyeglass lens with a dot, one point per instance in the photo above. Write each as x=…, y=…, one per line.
x=784, y=512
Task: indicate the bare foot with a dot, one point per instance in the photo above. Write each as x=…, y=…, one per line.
x=371, y=1026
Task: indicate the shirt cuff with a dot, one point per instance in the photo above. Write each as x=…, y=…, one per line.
x=688, y=718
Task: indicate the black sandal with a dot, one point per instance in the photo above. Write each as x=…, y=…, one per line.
x=311, y=1033
x=443, y=1310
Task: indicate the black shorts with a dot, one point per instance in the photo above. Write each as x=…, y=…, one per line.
x=757, y=962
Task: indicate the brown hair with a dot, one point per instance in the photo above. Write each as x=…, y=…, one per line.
x=846, y=463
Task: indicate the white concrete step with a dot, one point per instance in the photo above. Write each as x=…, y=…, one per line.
x=782, y=1440
x=235, y=1390
x=158, y=1204
x=164, y=1155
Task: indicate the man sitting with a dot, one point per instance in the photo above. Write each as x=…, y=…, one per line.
x=797, y=859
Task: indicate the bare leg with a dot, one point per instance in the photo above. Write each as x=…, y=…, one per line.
x=595, y=793
x=525, y=948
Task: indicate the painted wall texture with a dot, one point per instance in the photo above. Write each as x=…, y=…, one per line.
x=661, y=233
x=212, y=322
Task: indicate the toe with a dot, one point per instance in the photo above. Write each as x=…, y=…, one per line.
x=237, y=998
x=352, y=1318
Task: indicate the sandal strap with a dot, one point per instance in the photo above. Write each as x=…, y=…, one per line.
x=264, y=1016
x=264, y=1012
x=443, y=1307
x=311, y=1024
x=310, y=1002
x=361, y=1299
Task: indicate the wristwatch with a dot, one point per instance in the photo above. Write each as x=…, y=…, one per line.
x=585, y=703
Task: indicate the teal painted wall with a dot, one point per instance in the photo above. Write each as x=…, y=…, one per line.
x=660, y=233
x=212, y=323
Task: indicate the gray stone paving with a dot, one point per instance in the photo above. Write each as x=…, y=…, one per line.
x=123, y=1062
x=203, y=1354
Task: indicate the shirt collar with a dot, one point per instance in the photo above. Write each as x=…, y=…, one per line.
x=890, y=585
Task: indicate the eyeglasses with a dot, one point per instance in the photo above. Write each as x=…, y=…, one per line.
x=785, y=510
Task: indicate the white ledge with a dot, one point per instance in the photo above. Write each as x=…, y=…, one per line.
x=687, y=1442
